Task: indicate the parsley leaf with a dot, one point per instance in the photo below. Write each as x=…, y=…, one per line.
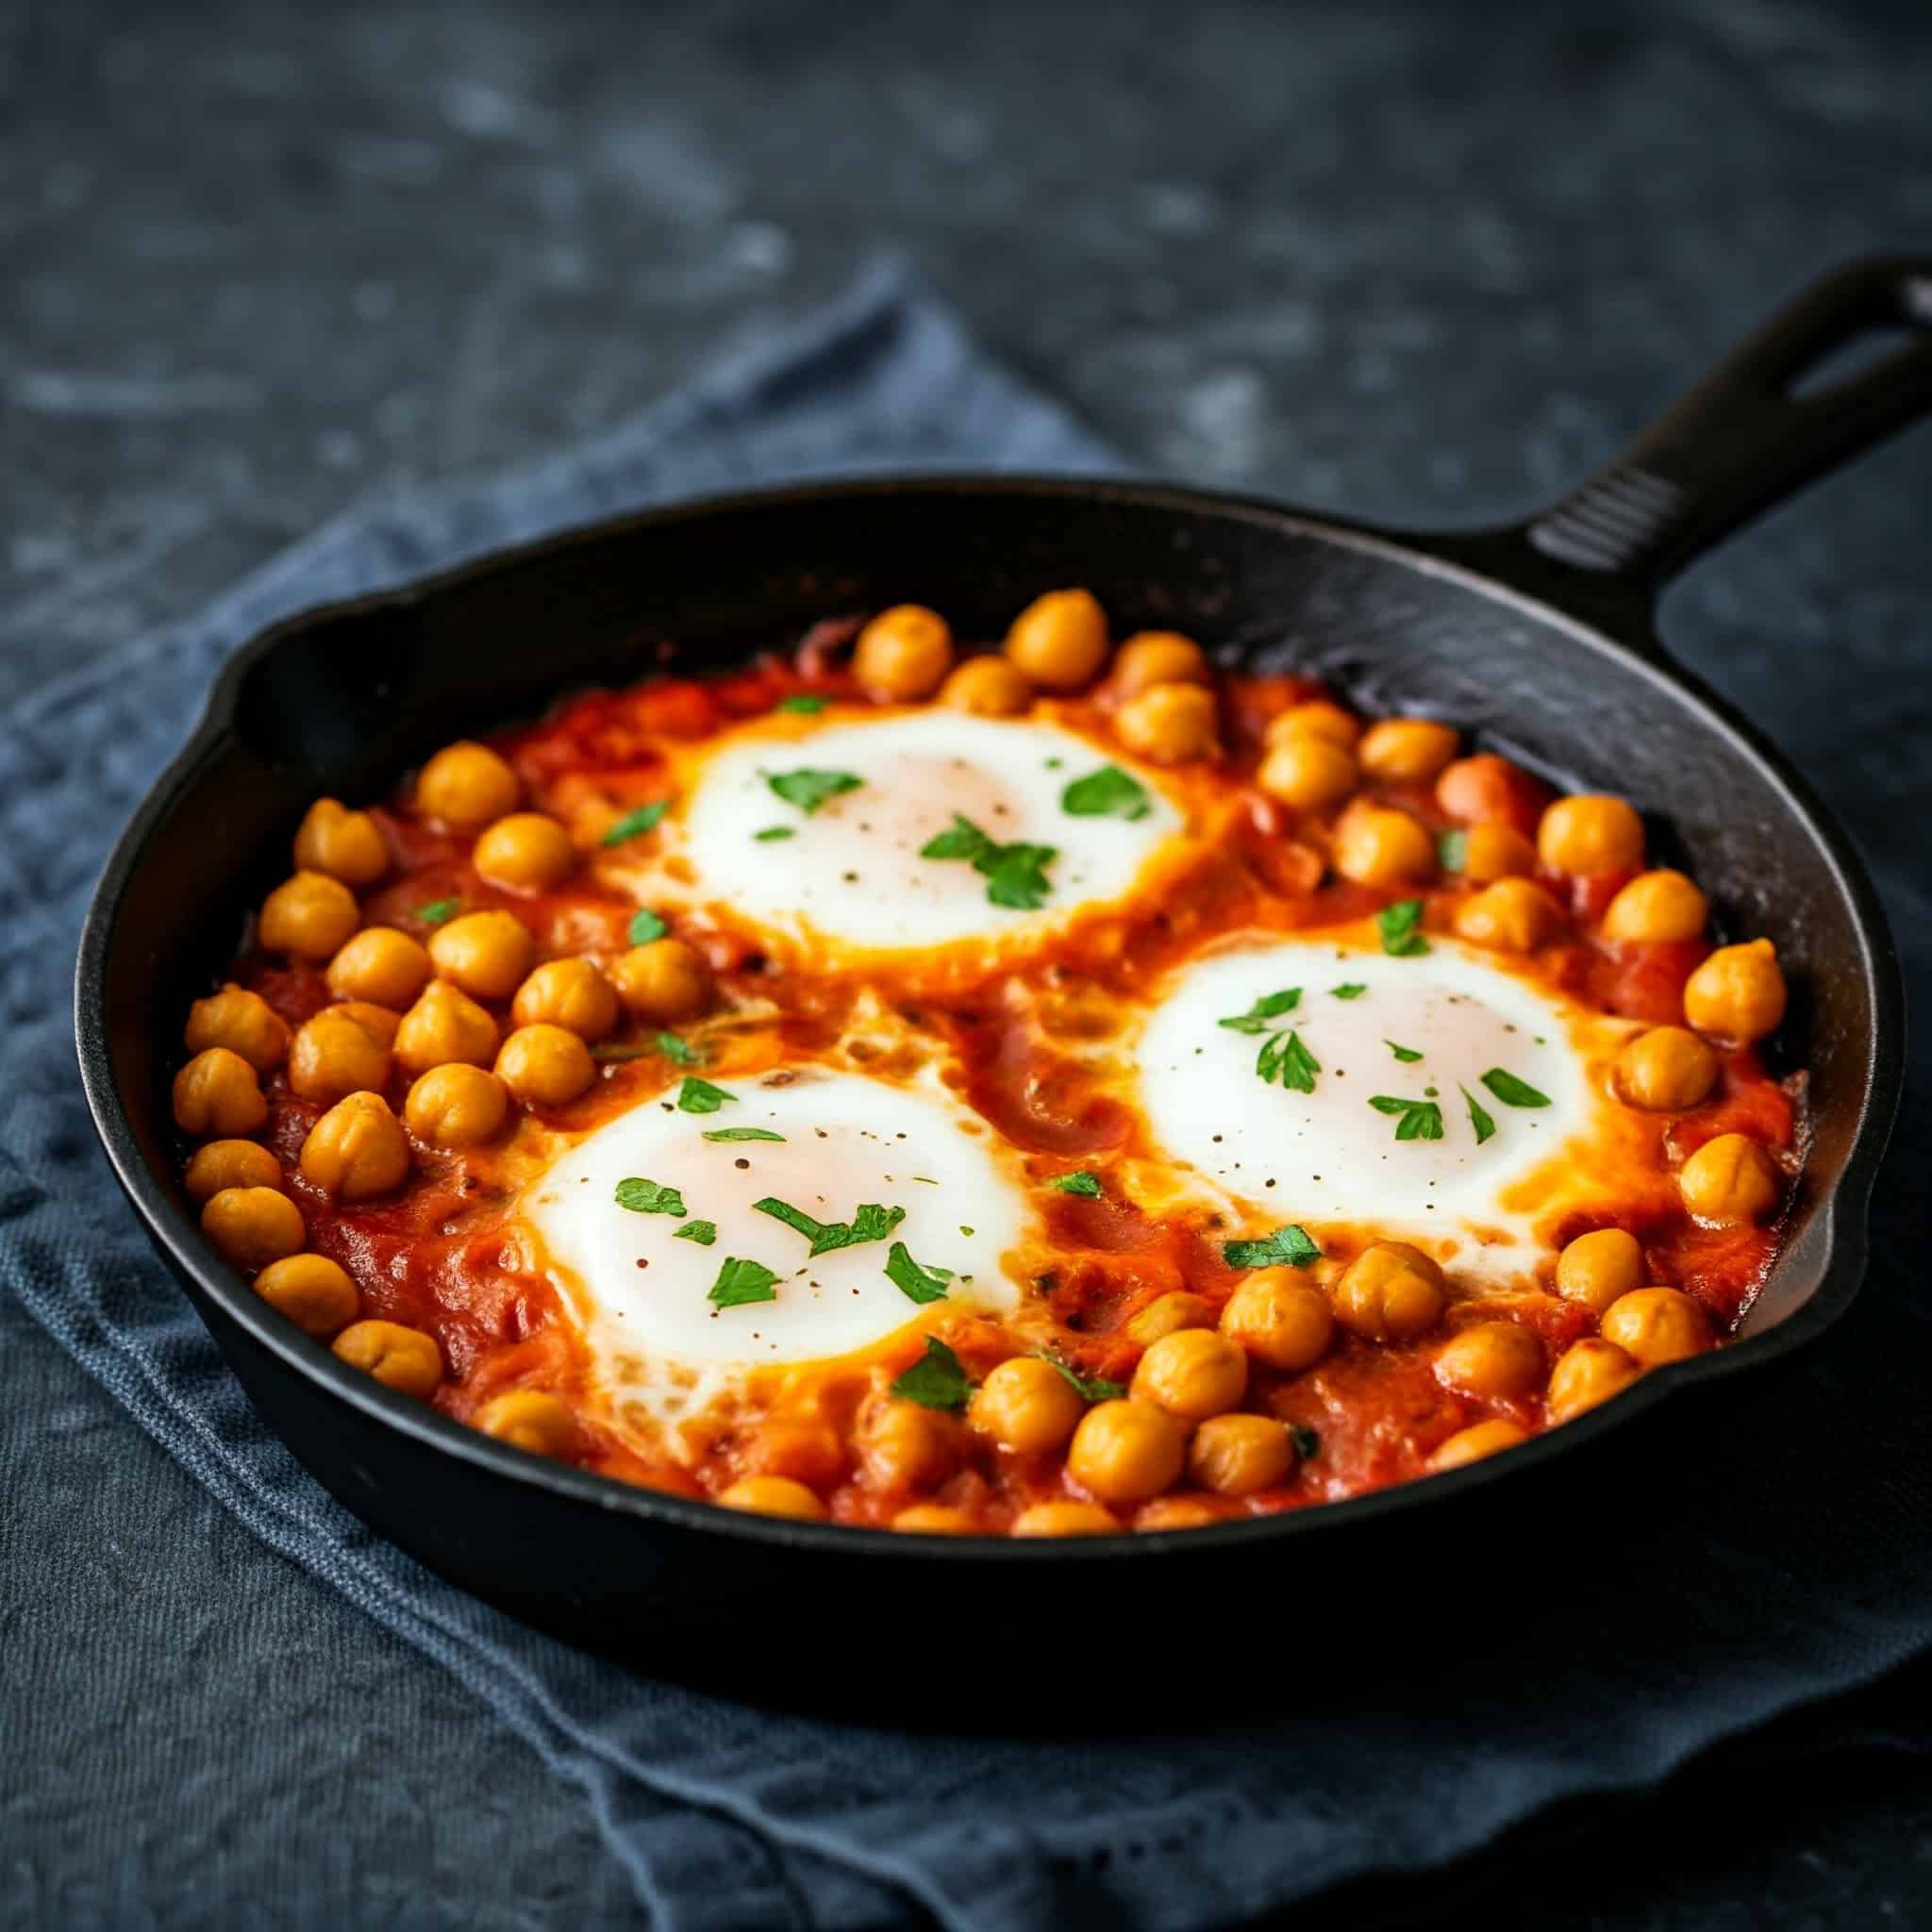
x=634, y=822
x=679, y=1052
x=1512, y=1092
x=702, y=1232
x=937, y=1380
x=646, y=1197
x=1419, y=1119
x=700, y=1096
x=871, y=1223
x=1015, y=874
x=739, y=1282
x=1400, y=925
x=1307, y=1442
x=1478, y=1117
x=1452, y=848
x=1269, y=1006
x=1089, y=1388
x=962, y=839
x=915, y=1283
x=808, y=789
x=1286, y=1058
x=1107, y=794
x=807, y=702
x=742, y=1134
x=1287, y=1247
x=1081, y=1181
x=772, y=832
x=1402, y=1053
x=439, y=911
x=1352, y=991
x=646, y=926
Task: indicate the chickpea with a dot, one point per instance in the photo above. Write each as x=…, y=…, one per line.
x=1493, y=852
x=545, y=1066
x=1316, y=718
x=1194, y=1374
x=1657, y=1325
x=1127, y=1451
x=1598, y=1268
x=934, y=1519
x=1738, y=993
x=382, y=965
x=1377, y=845
x=1150, y=658
x=1168, y=1313
x=1308, y=772
x=253, y=1226
x=332, y=1057
x=1178, y=1512
x=1511, y=916
x=567, y=992
x=456, y=1106
x=1389, y=1293
x=466, y=786
x=1059, y=639
x=443, y=1026
x=1487, y=790
x=399, y=1357
x=1472, y=1443
x=1490, y=1362
x=1587, y=1373
x=1590, y=833
x=381, y=1023
x=1407, y=751
x=1281, y=1318
x=530, y=1420
x=230, y=1164
x=903, y=653
x=243, y=1022
x=1063, y=1519
x=806, y=1450
x=307, y=917
x=347, y=845
x=1729, y=1180
x=665, y=981
x=356, y=1150
x=527, y=852
x=217, y=1093
x=987, y=688
x=901, y=1445
x=1657, y=906
x=1025, y=1404
x=1169, y=724
x=1664, y=1070
x=312, y=1291
x=773, y=1495
x=486, y=954
x=1237, y=1454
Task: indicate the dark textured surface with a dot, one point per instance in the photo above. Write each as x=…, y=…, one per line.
x=259, y=264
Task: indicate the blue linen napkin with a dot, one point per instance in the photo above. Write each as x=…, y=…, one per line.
x=1815, y=1574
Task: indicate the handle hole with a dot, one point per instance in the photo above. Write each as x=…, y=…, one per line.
x=1839, y=364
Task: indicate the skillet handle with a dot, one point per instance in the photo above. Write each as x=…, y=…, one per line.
x=1743, y=438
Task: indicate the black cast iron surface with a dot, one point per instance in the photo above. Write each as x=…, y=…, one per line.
x=260, y=262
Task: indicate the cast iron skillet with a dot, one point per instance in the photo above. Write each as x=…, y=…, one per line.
x=1537, y=640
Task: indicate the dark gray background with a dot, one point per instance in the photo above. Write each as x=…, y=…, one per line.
x=260, y=263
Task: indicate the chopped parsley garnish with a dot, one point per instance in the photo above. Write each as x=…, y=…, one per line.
x=871, y=1223
x=1287, y=1060
x=698, y=1096
x=1081, y=1181
x=772, y=832
x=739, y=1282
x=1307, y=1442
x=915, y=1283
x=1269, y=1006
x=1089, y=1388
x=702, y=1232
x=937, y=1380
x=1400, y=925
x=678, y=1051
x=1478, y=1116
x=742, y=1134
x=1402, y=1053
x=634, y=822
x=1015, y=874
x=1512, y=1092
x=439, y=911
x=646, y=1197
x=1452, y=848
x=807, y=702
x=808, y=789
x=1417, y=1120
x=646, y=926
x=1287, y=1247
x=1107, y=794
x=1354, y=990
